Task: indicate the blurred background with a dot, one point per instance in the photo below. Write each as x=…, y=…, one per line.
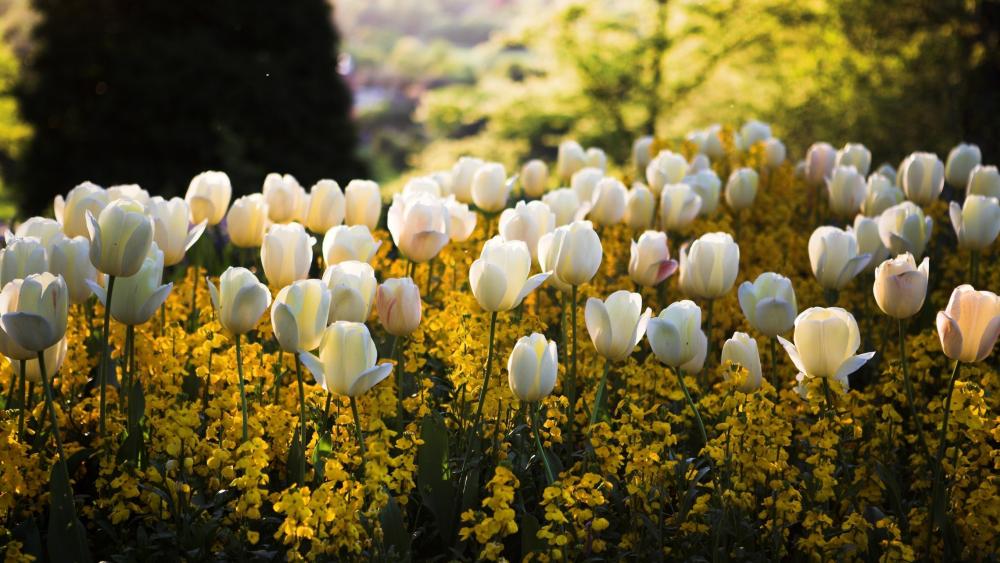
x=118, y=91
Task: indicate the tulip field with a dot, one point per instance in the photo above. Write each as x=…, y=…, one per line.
x=722, y=349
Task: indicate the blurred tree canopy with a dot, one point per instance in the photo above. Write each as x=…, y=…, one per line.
x=155, y=92
x=898, y=76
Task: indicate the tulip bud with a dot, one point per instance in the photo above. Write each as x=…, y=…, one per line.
x=419, y=225
x=825, y=342
x=286, y=254
x=240, y=300
x=120, y=238
x=490, y=188
x=741, y=350
x=422, y=185
x=834, y=257
x=584, y=182
x=326, y=206
x=284, y=196
x=22, y=257
x=961, y=160
x=48, y=231
x=362, y=203
x=443, y=180
x=976, y=221
x=708, y=186
x=819, y=163
x=984, y=181
x=709, y=270
x=699, y=163
x=566, y=206
x=923, y=177
x=352, y=287
x=208, y=197
x=969, y=325
x=131, y=192
x=640, y=207
x=55, y=355
x=499, y=278
x=71, y=259
x=170, y=228
x=856, y=155
x=534, y=178
x=398, y=304
x=35, y=311
x=880, y=194
x=889, y=172
x=596, y=158
x=666, y=168
x=532, y=368
x=904, y=228
x=676, y=337
x=712, y=143
x=900, y=287
x=617, y=324
x=72, y=211
x=462, y=220
x=846, y=190
x=8, y=304
x=679, y=205
x=649, y=260
x=774, y=153
x=299, y=315
x=572, y=253
x=608, y=207
x=346, y=361
x=741, y=188
x=527, y=222
x=869, y=241
x=570, y=158
x=642, y=153
x=137, y=297
x=769, y=303
x=247, y=221
x=461, y=177
x=754, y=131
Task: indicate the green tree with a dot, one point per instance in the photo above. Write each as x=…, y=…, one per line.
x=154, y=92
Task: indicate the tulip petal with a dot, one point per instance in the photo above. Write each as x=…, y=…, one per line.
x=793, y=354
x=530, y=285
x=28, y=330
x=598, y=325
x=315, y=366
x=194, y=234
x=988, y=339
x=213, y=294
x=158, y=298
x=368, y=379
x=99, y=291
x=852, y=365
x=950, y=334
x=286, y=329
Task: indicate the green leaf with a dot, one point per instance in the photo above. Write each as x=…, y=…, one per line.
x=296, y=460
x=397, y=538
x=67, y=539
x=322, y=451
x=436, y=489
x=530, y=542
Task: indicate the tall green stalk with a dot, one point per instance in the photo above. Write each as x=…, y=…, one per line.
x=908, y=384
x=487, y=375
x=302, y=415
x=938, y=494
x=595, y=413
x=23, y=364
x=357, y=429
x=533, y=415
x=105, y=359
x=50, y=403
x=572, y=373
x=694, y=408
x=243, y=391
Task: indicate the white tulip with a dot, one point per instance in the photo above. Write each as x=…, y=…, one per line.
x=499, y=277
x=869, y=241
x=880, y=194
x=856, y=155
x=774, y=153
x=649, y=259
x=240, y=300
x=904, y=228
x=754, y=131
x=352, y=287
x=131, y=192
x=346, y=361
x=666, y=168
x=834, y=257
x=820, y=160
x=642, y=153
x=571, y=157
x=172, y=233
x=462, y=219
x=247, y=221
x=640, y=207
x=420, y=226
x=741, y=350
x=976, y=221
x=741, y=188
x=676, y=337
x=461, y=177
x=984, y=181
x=566, y=206
x=21, y=257
x=679, y=206
x=527, y=222
x=72, y=211
x=534, y=178
x=362, y=203
x=923, y=177
x=825, y=341
x=708, y=270
x=137, y=297
x=284, y=196
x=70, y=259
x=48, y=231
x=286, y=254
x=708, y=186
x=299, y=315
x=846, y=191
x=584, y=182
x=326, y=206
x=608, y=202
x=769, y=303
x=208, y=196
x=532, y=368
x=961, y=160
x=617, y=324
x=490, y=188
x=573, y=254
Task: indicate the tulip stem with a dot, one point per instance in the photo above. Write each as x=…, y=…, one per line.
x=243, y=391
x=549, y=473
x=302, y=414
x=477, y=420
x=774, y=363
x=357, y=429
x=594, y=414
x=397, y=354
x=11, y=385
x=105, y=358
x=709, y=319
x=50, y=402
x=909, y=385
x=938, y=495
x=694, y=408
x=23, y=400
x=831, y=409
x=572, y=376
x=974, y=268
x=194, y=295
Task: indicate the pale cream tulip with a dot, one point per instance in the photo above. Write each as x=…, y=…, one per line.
x=856, y=155
x=48, y=231
x=775, y=153
x=640, y=207
x=461, y=177
x=834, y=257
x=346, y=361
x=961, y=160
x=285, y=197
x=608, y=202
x=825, y=342
x=172, y=233
x=8, y=304
x=326, y=206
x=208, y=197
x=499, y=277
x=708, y=186
x=923, y=177
x=352, y=287
x=398, y=303
x=617, y=324
x=976, y=221
x=573, y=254
x=420, y=226
x=666, y=168
x=741, y=350
x=120, y=237
x=709, y=268
x=534, y=178
x=286, y=254
x=820, y=159
x=532, y=368
x=137, y=297
x=904, y=228
x=55, y=355
x=72, y=211
x=462, y=219
x=679, y=206
x=769, y=303
x=846, y=191
x=362, y=203
x=239, y=301
x=880, y=194
x=649, y=259
x=527, y=222
x=131, y=192
x=900, y=286
x=424, y=185
x=342, y=243
x=35, y=316
x=741, y=188
x=984, y=181
x=570, y=158
x=566, y=206
x=584, y=182
x=642, y=153
x=71, y=259
x=676, y=337
x=970, y=324
x=490, y=188
x=21, y=257
x=299, y=315
x=753, y=132
x=597, y=158
x=247, y=221
x=869, y=241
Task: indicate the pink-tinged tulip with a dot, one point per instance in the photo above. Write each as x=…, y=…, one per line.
x=900, y=286
x=970, y=324
x=649, y=259
x=399, y=306
x=819, y=163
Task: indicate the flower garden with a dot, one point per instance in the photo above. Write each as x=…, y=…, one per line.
x=739, y=356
